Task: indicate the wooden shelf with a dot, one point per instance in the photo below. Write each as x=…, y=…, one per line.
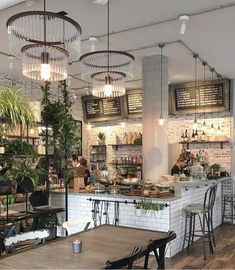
x=205, y=142
x=129, y=164
x=22, y=137
x=123, y=145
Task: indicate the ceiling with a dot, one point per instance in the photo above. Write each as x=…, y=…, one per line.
x=140, y=24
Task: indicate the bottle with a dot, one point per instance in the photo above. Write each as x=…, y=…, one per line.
x=196, y=136
x=203, y=136
x=193, y=136
x=186, y=138
x=182, y=138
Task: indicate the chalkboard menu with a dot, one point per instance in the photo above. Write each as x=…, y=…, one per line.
x=211, y=97
x=133, y=103
x=101, y=109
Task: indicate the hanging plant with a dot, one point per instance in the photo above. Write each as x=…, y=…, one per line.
x=14, y=109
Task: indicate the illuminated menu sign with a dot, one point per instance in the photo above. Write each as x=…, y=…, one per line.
x=211, y=97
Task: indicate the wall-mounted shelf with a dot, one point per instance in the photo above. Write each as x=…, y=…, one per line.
x=205, y=142
x=125, y=164
x=123, y=145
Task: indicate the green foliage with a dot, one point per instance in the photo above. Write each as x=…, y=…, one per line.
x=19, y=148
x=138, y=141
x=148, y=205
x=58, y=115
x=23, y=169
x=216, y=167
x=101, y=136
x=48, y=221
x=14, y=108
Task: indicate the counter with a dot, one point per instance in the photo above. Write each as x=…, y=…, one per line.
x=104, y=208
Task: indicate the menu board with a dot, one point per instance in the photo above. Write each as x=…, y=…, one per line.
x=133, y=103
x=211, y=97
x=101, y=109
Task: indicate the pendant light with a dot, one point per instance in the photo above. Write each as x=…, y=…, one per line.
x=161, y=119
x=212, y=81
x=46, y=42
x=108, y=69
x=204, y=98
x=195, y=123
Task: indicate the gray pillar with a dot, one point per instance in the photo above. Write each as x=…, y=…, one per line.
x=155, y=137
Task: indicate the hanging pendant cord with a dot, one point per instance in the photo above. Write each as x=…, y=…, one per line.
x=161, y=80
x=108, y=34
x=195, y=87
x=204, y=82
x=44, y=21
x=212, y=81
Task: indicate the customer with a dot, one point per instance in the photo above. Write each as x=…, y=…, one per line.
x=179, y=166
x=79, y=170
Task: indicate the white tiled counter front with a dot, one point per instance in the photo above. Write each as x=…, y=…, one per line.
x=170, y=218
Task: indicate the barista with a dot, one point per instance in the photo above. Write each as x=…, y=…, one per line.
x=179, y=166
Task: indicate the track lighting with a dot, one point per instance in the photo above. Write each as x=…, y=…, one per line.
x=183, y=19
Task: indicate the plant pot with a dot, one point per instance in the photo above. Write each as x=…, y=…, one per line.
x=5, y=187
x=39, y=198
x=25, y=185
x=101, y=141
x=53, y=233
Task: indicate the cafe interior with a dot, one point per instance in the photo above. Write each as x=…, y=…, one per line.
x=117, y=134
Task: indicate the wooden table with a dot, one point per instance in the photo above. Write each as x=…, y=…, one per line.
x=100, y=244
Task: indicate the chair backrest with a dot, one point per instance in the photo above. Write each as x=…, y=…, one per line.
x=209, y=198
x=159, y=248
x=126, y=262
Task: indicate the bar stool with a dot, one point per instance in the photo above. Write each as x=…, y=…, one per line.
x=229, y=199
x=205, y=214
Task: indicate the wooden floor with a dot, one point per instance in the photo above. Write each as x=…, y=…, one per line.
x=223, y=257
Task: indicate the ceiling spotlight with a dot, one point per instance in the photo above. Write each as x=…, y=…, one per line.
x=100, y=2
x=29, y=3
x=183, y=19
x=93, y=40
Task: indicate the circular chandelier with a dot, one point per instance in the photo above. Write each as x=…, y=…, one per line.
x=46, y=42
x=107, y=70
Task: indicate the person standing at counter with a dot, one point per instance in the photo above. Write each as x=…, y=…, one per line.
x=79, y=170
x=179, y=166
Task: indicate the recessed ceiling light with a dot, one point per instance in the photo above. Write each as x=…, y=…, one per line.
x=29, y=3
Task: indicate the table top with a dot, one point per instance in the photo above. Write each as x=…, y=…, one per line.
x=106, y=242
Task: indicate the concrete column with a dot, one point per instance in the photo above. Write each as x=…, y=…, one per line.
x=155, y=137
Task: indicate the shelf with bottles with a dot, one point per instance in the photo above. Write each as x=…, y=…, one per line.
x=125, y=145
x=197, y=138
x=204, y=142
x=98, y=153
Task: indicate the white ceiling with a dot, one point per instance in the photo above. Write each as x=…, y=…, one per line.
x=8, y=3
x=210, y=33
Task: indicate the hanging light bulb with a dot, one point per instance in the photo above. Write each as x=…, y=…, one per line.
x=123, y=125
x=88, y=126
x=161, y=121
x=204, y=127
x=108, y=88
x=45, y=66
x=195, y=124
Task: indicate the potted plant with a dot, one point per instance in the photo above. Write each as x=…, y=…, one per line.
x=14, y=109
x=101, y=138
x=215, y=169
x=26, y=175
x=150, y=207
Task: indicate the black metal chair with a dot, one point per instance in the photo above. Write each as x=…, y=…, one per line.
x=126, y=262
x=158, y=247
x=205, y=214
